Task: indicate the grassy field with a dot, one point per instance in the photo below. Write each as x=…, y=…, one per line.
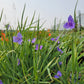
x=41, y=57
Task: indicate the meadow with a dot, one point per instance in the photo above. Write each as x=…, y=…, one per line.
x=42, y=56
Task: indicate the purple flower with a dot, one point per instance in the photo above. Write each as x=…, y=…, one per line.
x=33, y=40
x=1, y=82
x=37, y=47
x=59, y=50
x=52, y=39
x=18, y=38
x=18, y=61
x=60, y=63
x=59, y=74
x=56, y=76
x=29, y=40
x=70, y=24
x=58, y=42
x=57, y=38
x=41, y=47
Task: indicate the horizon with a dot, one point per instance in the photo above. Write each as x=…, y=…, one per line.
x=47, y=10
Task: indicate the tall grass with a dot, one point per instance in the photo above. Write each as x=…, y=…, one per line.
x=40, y=66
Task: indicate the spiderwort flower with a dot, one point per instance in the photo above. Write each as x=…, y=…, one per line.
x=1, y=82
x=58, y=42
x=52, y=39
x=18, y=38
x=59, y=50
x=57, y=38
x=37, y=47
x=41, y=47
x=18, y=61
x=60, y=63
x=59, y=74
x=29, y=40
x=33, y=40
x=70, y=24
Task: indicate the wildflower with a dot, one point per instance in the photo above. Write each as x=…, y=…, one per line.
x=52, y=39
x=59, y=50
x=37, y=47
x=57, y=38
x=3, y=34
x=18, y=61
x=70, y=24
x=3, y=37
x=49, y=34
x=29, y=40
x=56, y=76
x=1, y=82
x=60, y=63
x=59, y=74
x=58, y=42
x=48, y=30
x=41, y=47
x=33, y=40
x=18, y=38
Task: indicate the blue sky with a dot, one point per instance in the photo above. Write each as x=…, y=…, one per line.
x=47, y=9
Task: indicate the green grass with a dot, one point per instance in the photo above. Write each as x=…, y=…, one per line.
x=40, y=66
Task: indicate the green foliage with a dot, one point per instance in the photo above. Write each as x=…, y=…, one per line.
x=40, y=66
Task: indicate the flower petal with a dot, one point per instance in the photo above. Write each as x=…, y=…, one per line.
x=33, y=40
x=20, y=41
x=41, y=47
x=14, y=39
x=59, y=73
x=52, y=39
x=70, y=19
x=1, y=82
x=66, y=25
x=19, y=35
x=36, y=47
x=56, y=76
x=60, y=63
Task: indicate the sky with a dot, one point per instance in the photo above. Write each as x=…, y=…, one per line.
x=46, y=9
